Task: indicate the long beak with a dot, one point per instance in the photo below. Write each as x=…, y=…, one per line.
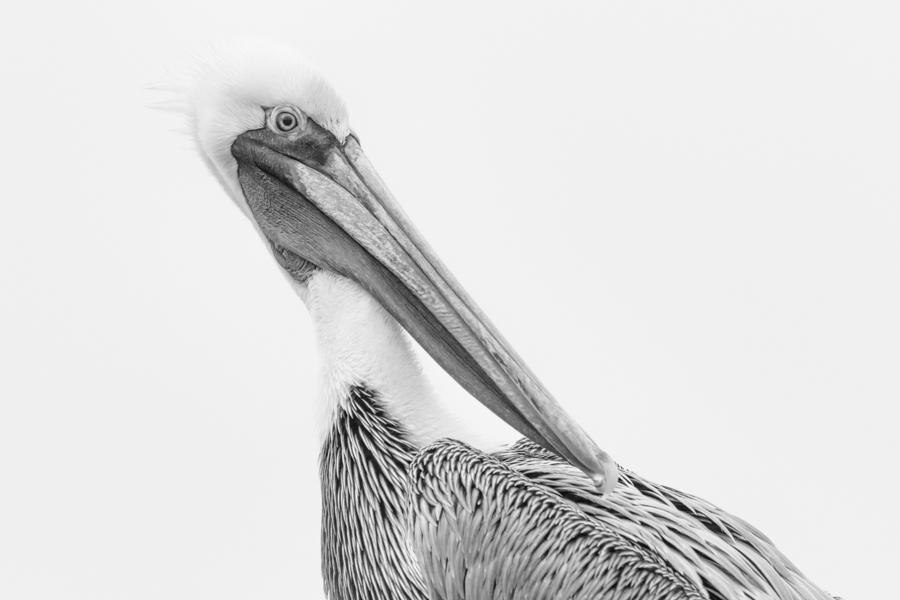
x=323, y=201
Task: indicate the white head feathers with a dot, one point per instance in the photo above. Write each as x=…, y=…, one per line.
x=224, y=89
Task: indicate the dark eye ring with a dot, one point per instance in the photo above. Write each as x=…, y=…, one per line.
x=286, y=119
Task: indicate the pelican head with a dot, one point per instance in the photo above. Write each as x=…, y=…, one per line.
x=277, y=136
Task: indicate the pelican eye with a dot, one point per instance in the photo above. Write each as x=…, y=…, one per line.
x=286, y=119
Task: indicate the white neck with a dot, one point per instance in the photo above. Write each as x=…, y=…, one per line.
x=361, y=344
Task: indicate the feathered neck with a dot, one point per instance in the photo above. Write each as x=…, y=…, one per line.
x=361, y=345
x=364, y=467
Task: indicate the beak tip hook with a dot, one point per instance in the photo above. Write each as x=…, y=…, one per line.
x=605, y=481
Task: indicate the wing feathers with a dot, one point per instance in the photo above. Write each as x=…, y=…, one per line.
x=523, y=523
x=501, y=536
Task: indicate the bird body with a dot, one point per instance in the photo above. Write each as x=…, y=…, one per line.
x=407, y=512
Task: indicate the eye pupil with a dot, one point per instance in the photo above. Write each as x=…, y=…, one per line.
x=286, y=121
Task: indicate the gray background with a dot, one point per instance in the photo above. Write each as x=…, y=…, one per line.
x=684, y=218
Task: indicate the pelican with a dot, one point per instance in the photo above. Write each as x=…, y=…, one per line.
x=408, y=513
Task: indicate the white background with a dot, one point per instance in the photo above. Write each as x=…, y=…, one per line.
x=685, y=218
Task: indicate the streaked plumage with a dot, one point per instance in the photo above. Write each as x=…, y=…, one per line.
x=364, y=465
x=408, y=514
x=643, y=540
x=521, y=523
